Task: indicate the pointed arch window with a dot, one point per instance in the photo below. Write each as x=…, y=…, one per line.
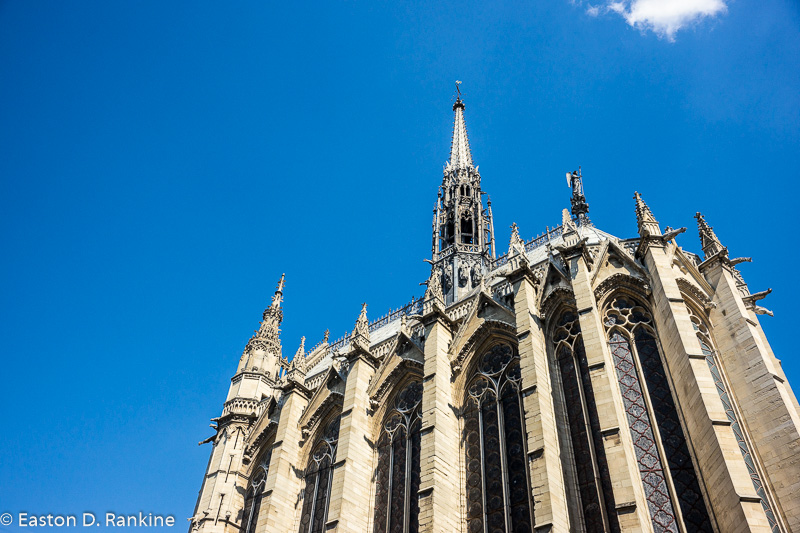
x=716, y=373
x=254, y=495
x=466, y=230
x=498, y=489
x=319, y=474
x=647, y=397
x=398, y=472
x=597, y=507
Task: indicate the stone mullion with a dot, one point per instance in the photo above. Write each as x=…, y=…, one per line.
x=545, y=474
x=439, y=501
x=735, y=505
x=352, y=472
x=285, y=475
x=767, y=404
x=631, y=505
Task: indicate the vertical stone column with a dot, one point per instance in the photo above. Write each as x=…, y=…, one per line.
x=632, y=511
x=219, y=499
x=547, y=479
x=439, y=491
x=352, y=471
x=765, y=399
x=280, y=506
x=735, y=505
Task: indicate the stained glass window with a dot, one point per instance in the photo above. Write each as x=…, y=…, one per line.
x=319, y=474
x=596, y=499
x=629, y=321
x=254, y=495
x=398, y=472
x=705, y=345
x=498, y=490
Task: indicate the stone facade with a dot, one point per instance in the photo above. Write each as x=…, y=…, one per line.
x=579, y=382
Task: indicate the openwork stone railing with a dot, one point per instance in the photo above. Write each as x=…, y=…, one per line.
x=241, y=406
x=412, y=308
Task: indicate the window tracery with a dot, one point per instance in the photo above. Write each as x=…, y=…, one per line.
x=398, y=472
x=254, y=496
x=711, y=359
x=647, y=396
x=591, y=468
x=498, y=491
x=319, y=474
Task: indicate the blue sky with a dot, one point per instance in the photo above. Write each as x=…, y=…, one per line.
x=162, y=163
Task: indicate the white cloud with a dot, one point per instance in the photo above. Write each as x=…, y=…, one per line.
x=593, y=11
x=665, y=17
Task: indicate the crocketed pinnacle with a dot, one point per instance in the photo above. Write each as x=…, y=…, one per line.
x=360, y=335
x=460, y=155
x=708, y=239
x=516, y=245
x=300, y=355
x=648, y=225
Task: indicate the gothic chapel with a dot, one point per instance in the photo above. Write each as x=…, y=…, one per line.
x=579, y=382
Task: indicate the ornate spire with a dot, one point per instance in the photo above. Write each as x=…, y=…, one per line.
x=648, y=225
x=277, y=299
x=360, y=335
x=460, y=154
x=708, y=239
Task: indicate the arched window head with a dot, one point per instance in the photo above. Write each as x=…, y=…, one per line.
x=398, y=472
x=498, y=489
x=319, y=474
x=665, y=465
x=254, y=495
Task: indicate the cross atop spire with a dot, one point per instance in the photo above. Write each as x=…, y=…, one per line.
x=460, y=155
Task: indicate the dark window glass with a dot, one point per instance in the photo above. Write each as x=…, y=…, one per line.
x=588, y=449
x=498, y=490
x=318, y=477
x=398, y=472
x=254, y=495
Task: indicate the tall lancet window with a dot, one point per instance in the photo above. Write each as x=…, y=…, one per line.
x=398, y=473
x=597, y=509
x=254, y=495
x=647, y=396
x=498, y=491
x=319, y=474
x=719, y=381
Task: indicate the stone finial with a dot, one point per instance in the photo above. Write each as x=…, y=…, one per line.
x=648, y=225
x=360, y=335
x=516, y=245
x=326, y=336
x=566, y=221
x=299, y=360
x=708, y=239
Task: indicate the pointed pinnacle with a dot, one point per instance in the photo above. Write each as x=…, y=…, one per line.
x=648, y=225
x=709, y=241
